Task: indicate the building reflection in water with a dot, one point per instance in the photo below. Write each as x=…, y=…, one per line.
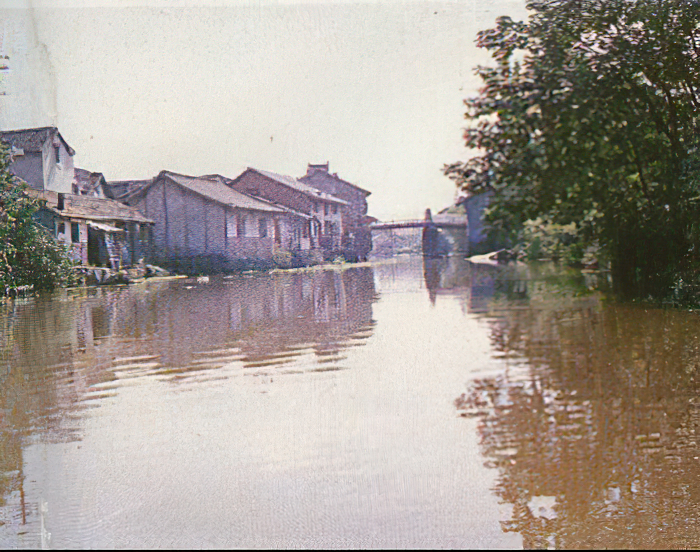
x=66, y=352
x=593, y=421
x=474, y=284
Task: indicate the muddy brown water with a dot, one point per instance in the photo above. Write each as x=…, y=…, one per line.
x=407, y=404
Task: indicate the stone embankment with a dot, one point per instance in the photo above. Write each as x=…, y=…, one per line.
x=96, y=275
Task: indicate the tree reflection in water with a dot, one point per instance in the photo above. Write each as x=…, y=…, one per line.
x=593, y=424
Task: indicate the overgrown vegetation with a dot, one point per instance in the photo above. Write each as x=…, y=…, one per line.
x=29, y=256
x=586, y=128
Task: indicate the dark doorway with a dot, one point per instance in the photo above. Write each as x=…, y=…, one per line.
x=94, y=242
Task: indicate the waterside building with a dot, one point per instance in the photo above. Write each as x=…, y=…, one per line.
x=356, y=235
x=323, y=210
x=202, y=224
x=97, y=230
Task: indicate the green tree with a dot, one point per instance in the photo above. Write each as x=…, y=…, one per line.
x=590, y=116
x=29, y=256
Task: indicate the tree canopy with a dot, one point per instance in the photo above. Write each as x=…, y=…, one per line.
x=29, y=256
x=589, y=116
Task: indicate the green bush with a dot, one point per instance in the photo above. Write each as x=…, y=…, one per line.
x=541, y=239
x=282, y=257
x=29, y=255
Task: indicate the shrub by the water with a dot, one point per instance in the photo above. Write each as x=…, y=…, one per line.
x=30, y=258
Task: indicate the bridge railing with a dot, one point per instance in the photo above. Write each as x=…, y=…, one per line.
x=389, y=224
x=419, y=223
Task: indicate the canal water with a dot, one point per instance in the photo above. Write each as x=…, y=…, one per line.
x=410, y=403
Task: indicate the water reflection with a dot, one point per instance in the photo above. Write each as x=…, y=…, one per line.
x=119, y=405
x=68, y=352
x=593, y=421
x=474, y=283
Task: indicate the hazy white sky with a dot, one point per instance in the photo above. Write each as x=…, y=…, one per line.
x=197, y=87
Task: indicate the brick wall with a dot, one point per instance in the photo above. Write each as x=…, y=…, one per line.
x=357, y=207
x=258, y=185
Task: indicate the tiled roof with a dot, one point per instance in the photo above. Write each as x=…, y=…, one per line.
x=295, y=184
x=116, y=189
x=226, y=180
x=216, y=190
x=90, y=208
x=366, y=192
x=220, y=178
x=87, y=181
x=32, y=139
x=322, y=170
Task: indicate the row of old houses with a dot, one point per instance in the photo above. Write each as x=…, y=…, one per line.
x=191, y=223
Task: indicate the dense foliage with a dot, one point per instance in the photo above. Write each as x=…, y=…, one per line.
x=29, y=256
x=589, y=117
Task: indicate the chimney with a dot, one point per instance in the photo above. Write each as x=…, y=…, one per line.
x=310, y=169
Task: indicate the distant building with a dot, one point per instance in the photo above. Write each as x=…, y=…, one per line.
x=398, y=241
x=475, y=206
x=202, y=224
x=323, y=209
x=88, y=183
x=41, y=157
x=116, y=189
x=356, y=235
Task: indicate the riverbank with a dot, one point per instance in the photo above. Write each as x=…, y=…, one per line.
x=156, y=274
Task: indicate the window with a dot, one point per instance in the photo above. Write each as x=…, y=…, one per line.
x=60, y=228
x=240, y=226
x=262, y=228
x=58, y=153
x=278, y=232
x=230, y=227
x=305, y=231
x=75, y=232
x=335, y=209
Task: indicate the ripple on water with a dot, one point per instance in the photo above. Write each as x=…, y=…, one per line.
x=70, y=366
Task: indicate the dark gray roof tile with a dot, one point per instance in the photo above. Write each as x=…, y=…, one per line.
x=216, y=190
x=295, y=184
x=32, y=139
x=90, y=208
